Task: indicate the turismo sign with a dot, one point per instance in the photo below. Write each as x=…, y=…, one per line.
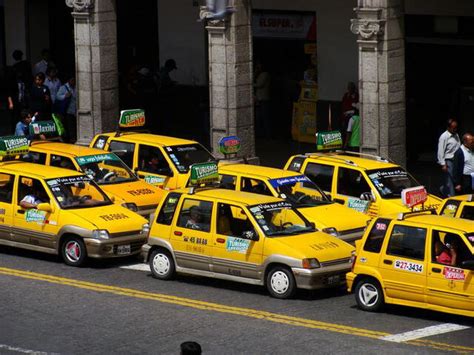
x=328, y=140
x=204, y=173
x=414, y=196
x=13, y=145
x=132, y=118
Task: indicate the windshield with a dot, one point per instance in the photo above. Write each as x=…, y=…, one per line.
x=391, y=181
x=300, y=191
x=280, y=219
x=183, y=156
x=105, y=169
x=77, y=192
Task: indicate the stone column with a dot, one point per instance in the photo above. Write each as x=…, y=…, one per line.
x=95, y=36
x=380, y=29
x=231, y=78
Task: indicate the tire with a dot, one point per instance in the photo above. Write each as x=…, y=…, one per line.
x=162, y=265
x=281, y=282
x=73, y=251
x=369, y=295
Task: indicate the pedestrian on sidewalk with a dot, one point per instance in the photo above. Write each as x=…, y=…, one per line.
x=448, y=144
x=22, y=128
x=352, y=142
x=40, y=98
x=66, y=107
x=464, y=165
x=52, y=82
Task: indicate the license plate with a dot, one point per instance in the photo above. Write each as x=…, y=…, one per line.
x=334, y=279
x=124, y=249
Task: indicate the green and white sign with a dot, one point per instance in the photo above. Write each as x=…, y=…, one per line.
x=132, y=118
x=328, y=140
x=13, y=145
x=237, y=245
x=47, y=128
x=96, y=158
x=204, y=173
x=33, y=215
x=358, y=205
x=152, y=179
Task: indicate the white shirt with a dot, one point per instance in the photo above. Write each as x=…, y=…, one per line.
x=447, y=145
x=53, y=86
x=468, y=160
x=31, y=199
x=40, y=67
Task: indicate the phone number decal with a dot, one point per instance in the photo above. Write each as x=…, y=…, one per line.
x=408, y=266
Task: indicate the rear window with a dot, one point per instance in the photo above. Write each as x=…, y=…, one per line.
x=377, y=235
x=468, y=212
x=296, y=164
x=321, y=175
x=450, y=208
x=100, y=142
x=169, y=207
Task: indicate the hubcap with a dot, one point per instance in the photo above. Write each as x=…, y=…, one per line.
x=368, y=295
x=280, y=282
x=73, y=251
x=161, y=264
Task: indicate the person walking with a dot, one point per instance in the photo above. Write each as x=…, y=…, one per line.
x=448, y=144
x=40, y=98
x=66, y=107
x=352, y=141
x=464, y=165
x=350, y=97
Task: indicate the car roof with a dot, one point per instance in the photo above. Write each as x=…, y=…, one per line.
x=148, y=138
x=224, y=195
x=366, y=162
x=460, y=224
x=469, y=199
x=257, y=171
x=71, y=150
x=34, y=170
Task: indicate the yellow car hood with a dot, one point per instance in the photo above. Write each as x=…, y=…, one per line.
x=334, y=215
x=318, y=245
x=138, y=192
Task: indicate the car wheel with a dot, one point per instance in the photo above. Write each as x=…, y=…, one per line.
x=369, y=295
x=73, y=251
x=162, y=264
x=281, y=282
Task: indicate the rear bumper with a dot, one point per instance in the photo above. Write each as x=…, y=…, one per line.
x=109, y=248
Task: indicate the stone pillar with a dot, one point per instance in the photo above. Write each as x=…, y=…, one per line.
x=231, y=78
x=380, y=29
x=95, y=36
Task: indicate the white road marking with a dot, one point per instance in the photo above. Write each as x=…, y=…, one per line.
x=137, y=267
x=424, y=332
x=21, y=350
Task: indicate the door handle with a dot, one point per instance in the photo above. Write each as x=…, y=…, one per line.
x=435, y=269
x=339, y=200
x=220, y=240
x=388, y=262
x=178, y=233
x=21, y=211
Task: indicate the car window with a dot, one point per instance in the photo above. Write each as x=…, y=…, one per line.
x=62, y=162
x=377, y=235
x=124, y=150
x=195, y=214
x=100, y=142
x=35, y=157
x=450, y=208
x=351, y=182
x=6, y=187
x=227, y=182
x=167, y=211
x=255, y=186
x=152, y=160
x=321, y=175
x=468, y=212
x=449, y=248
x=407, y=241
x=296, y=163
x=32, y=191
x=232, y=220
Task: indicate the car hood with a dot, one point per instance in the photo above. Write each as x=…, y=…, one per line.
x=137, y=192
x=334, y=215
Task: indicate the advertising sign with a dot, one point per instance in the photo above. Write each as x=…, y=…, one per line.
x=414, y=196
x=266, y=24
x=47, y=128
x=328, y=140
x=132, y=118
x=204, y=173
x=13, y=145
x=229, y=145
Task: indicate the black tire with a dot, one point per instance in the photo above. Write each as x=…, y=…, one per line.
x=162, y=264
x=369, y=295
x=280, y=282
x=73, y=251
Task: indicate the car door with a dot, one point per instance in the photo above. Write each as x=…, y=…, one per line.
x=31, y=226
x=402, y=263
x=192, y=239
x=6, y=207
x=152, y=166
x=449, y=285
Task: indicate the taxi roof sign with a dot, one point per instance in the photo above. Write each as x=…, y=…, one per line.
x=328, y=140
x=414, y=196
x=47, y=128
x=132, y=118
x=13, y=145
x=204, y=173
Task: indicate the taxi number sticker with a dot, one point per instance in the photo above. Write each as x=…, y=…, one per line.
x=453, y=273
x=114, y=216
x=408, y=266
x=140, y=192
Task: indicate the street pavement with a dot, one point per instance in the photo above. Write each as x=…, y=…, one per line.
x=115, y=306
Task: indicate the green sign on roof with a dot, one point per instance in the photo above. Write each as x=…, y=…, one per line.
x=204, y=173
x=13, y=145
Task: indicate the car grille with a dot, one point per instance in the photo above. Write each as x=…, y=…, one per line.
x=352, y=231
x=124, y=234
x=336, y=262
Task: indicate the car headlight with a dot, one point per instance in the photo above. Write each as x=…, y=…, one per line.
x=311, y=263
x=332, y=231
x=145, y=229
x=131, y=206
x=100, y=234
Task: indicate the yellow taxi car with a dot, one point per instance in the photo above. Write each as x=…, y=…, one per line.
x=159, y=160
x=361, y=181
x=243, y=237
x=106, y=169
x=418, y=260
x=299, y=190
x=458, y=206
x=63, y=212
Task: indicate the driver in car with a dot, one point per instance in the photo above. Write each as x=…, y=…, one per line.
x=32, y=199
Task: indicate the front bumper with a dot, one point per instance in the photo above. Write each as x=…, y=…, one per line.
x=145, y=251
x=324, y=277
x=109, y=248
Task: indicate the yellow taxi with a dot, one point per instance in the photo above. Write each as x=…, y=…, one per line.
x=59, y=211
x=299, y=190
x=415, y=259
x=159, y=160
x=458, y=206
x=243, y=237
x=361, y=181
x=106, y=169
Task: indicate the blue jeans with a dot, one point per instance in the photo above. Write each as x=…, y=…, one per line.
x=447, y=189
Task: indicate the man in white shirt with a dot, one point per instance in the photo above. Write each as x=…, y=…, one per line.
x=43, y=64
x=464, y=165
x=448, y=144
x=52, y=82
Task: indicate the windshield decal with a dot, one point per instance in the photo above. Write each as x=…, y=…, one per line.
x=96, y=158
x=388, y=173
x=290, y=180
x=267, y=207
x=154, y=179
x=68, y=180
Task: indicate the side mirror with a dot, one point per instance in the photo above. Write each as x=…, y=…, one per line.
x=45, y=207
x=250, y=235
x=468, y=264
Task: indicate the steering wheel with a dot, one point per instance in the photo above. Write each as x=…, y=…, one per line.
x=84, y=198
x=109, y=175
x=300, y=198
x=287, y=224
